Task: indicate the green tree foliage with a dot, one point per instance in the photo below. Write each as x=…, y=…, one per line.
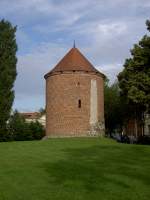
x=148, y=24
x=134, y=80
x=8, y=60
x=20, y=130
x=36, y=130
x=42, y=111
x=114, y=108
x=18, y=127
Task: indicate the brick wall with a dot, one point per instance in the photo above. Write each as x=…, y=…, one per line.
x=63, y=92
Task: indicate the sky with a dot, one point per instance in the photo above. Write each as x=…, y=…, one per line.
x=104, y=31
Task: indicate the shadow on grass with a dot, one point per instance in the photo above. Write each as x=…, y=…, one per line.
x=99, y=168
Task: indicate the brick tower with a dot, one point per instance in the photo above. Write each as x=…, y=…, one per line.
x=74, y=98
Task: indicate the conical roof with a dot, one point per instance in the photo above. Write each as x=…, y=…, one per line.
x=74, y=60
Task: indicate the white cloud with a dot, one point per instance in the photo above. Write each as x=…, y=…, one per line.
x=111, y=71
x=32, y=67
x=30, y=83
x=108, y=29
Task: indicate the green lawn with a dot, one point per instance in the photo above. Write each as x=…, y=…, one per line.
x=74, y=169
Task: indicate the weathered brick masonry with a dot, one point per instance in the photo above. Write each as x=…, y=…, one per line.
x=71, y=110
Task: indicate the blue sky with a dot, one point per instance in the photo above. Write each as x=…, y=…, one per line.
x=104, y=30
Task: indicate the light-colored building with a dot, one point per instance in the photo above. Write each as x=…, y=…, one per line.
x=34, y=116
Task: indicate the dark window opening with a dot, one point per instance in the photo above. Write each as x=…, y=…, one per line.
x=78, y=83
x=79, y=103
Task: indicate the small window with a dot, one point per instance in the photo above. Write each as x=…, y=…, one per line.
x=79, y=103
x=78, y=83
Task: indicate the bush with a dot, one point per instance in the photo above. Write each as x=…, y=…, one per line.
x=143, y=140
x=20, y=130
x=36, y=130
x=5, y=136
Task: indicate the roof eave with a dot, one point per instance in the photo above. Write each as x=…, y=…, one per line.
x=63, y=72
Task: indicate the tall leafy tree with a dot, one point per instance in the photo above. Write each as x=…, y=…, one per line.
x=134, y=80
x=114, y=108
x=8, y=60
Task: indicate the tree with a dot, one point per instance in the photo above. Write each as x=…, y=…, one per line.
x=8, y=60
x=37, y=130
x=148, y=24
x=42, y=111
x=134, y=80
x=20, y=130
x=114, y=108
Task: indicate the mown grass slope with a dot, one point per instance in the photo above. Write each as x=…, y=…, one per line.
x=74, y=169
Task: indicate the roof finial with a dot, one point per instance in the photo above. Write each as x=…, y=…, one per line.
x=74, y=44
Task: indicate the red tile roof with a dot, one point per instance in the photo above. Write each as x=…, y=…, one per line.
x=30, y=115
x=74, y=60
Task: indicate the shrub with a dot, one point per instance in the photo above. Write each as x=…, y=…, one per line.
x=144, y=139
x=37, y=130
x=20, y=130
x=5, y=136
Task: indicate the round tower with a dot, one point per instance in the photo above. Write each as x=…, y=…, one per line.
x=74, y=97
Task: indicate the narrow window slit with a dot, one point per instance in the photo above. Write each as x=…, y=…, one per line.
x=79, y=103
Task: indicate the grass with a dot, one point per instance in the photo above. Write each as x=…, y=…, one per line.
x=74, y=169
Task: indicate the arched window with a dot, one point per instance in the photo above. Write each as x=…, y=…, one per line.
x=79, y=103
